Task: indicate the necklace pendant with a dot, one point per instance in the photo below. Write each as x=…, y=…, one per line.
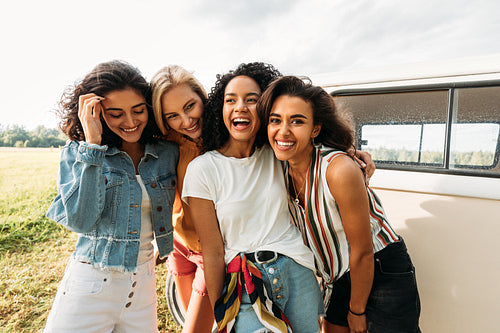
x=297, y=201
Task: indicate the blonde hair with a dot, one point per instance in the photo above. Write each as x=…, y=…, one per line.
x=166, y=79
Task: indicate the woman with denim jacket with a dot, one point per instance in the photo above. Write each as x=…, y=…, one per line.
x=368, y=277
x=116, y=187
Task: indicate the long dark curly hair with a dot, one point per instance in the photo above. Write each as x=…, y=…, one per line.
x=214, y=133
x=103, y=79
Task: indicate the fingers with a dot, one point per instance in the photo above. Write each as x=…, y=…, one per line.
x=360, y=161
x=89, y=111
x=86, y=105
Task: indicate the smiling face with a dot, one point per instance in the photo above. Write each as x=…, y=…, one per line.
x=125, y=113
x=291, y=127
x=239, y=110
x=182, y=110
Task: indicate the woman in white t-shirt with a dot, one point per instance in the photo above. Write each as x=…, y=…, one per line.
x=258, y=272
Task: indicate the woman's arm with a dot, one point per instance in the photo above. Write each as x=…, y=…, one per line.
x=347, y=185
x=212, y=246
x=81, y=188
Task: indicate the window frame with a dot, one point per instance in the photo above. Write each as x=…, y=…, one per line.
x=450, y=87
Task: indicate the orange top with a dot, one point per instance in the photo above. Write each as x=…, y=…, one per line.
x=183, y=224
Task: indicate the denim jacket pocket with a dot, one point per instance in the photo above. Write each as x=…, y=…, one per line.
x=112, y=183
x=168, y=185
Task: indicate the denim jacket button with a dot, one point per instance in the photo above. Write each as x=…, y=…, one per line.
x=105, y=180
x=162, y=229
x=173, y=182
x=159, y=208
x=153, y=185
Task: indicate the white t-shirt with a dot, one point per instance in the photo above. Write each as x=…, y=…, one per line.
x=250, y=201
x=146, y=249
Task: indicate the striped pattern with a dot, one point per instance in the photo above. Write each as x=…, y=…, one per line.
x=320, y=223
x=243, y=273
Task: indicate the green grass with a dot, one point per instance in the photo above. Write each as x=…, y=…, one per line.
x=34, y=250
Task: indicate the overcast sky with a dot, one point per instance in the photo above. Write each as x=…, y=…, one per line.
x=47, y=45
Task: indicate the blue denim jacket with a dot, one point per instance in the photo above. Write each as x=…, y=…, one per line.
x=100, y=198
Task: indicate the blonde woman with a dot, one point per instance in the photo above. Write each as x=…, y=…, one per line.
x=178, y=101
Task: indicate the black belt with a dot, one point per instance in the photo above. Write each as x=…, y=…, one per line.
x=262, y=257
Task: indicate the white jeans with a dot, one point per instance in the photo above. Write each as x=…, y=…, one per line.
x=93, y=300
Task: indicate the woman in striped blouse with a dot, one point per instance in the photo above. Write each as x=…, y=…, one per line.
x=368, y=277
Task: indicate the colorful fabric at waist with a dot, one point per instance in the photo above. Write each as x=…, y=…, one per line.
x=242, y=273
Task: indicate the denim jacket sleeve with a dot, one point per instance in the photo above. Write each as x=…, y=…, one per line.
x=81, y=189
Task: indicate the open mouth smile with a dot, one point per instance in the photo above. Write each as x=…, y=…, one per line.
x=129, y=130
x=241, y=123
x=194, y=127
x=284, y=145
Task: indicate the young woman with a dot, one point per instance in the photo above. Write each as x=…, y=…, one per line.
x=178, y=101
x=237, y=198
x=367, y=273
x=116, y=188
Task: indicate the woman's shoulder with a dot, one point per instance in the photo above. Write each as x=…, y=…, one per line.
x=342, y=170
x=329, y=153
x=166, y=146
x=205, y=158
x=75, y=147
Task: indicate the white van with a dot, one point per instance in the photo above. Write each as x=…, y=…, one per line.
x=433, y=131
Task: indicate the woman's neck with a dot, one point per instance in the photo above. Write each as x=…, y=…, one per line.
x=237, y=149
x=135, y=150
x=298, y=166
x=187, y=137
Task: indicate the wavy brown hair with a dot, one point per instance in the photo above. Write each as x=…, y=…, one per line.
x=335, y=131
x=103, y=79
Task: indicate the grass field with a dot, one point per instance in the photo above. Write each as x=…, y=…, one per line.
x=34, y=250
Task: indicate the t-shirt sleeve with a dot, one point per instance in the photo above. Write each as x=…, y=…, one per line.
x=197, y=182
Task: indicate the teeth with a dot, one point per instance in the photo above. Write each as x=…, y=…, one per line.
x=192, y=128
x=285, y=144
x=129, y=129
x=241, y=120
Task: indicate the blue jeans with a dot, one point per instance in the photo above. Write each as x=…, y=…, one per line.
x=294, y=289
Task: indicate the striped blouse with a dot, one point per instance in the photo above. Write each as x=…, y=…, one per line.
x=320, y=223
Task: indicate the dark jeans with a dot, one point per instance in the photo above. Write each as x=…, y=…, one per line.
x=393, y=305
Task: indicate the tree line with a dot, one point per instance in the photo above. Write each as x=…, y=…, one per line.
x=41, y=136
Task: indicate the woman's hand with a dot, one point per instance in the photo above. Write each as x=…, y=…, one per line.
x=364, y=158
x=357, y=324
x=89, y=112
x=206, y=224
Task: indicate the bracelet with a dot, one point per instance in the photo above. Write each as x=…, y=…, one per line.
x=357, y=314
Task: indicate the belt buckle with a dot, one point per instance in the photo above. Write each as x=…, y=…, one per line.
x=275, y=256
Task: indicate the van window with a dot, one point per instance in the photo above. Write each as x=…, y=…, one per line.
x=454, y=130
x=475, y=128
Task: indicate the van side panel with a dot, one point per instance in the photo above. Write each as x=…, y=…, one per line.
x=454, y=244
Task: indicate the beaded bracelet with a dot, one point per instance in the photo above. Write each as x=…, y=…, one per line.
x=357, y=314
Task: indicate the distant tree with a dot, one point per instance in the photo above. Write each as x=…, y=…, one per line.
x=18, y=136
